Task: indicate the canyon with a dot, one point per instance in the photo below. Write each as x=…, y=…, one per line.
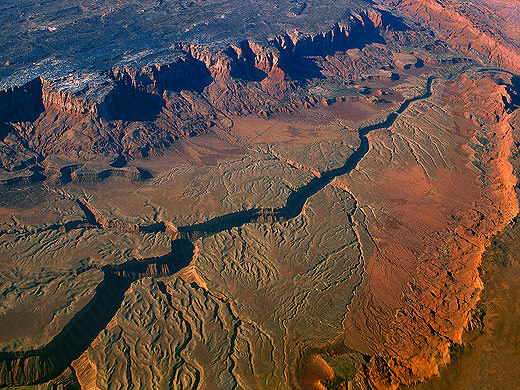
x=300, y=201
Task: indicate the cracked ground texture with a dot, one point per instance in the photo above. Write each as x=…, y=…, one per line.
x=266, y=229
x=267, y=302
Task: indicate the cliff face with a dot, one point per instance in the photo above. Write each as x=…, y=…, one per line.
x=25, y=370
x=365, y=27
x=140, y=110
x=470, y=28
x=292, y=272
x=424, y=281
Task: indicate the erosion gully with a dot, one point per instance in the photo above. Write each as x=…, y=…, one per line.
x=52, y=359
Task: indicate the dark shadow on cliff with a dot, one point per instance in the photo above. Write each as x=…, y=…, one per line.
x=119, y=162
x=515, y=96
x=296, y=57
x=244, y=68
x=393, y=22
x=191, y=75
x=22, y=104
x=139, y=97
x=299, y=68
x=5, y=129
x=129, y=104
x=50, y=361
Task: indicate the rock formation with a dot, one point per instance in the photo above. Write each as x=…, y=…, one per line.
x=306, y=208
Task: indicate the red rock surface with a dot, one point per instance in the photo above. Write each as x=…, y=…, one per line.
x=308, y=212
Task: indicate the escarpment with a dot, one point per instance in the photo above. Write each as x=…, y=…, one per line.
x=468, y=27
x=139, y=109
x=434, y=256
x=365, y=27
x=303, y=209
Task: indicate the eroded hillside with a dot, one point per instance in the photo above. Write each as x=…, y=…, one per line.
x=304, y=211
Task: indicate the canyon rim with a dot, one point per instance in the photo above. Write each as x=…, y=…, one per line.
x=258, y=195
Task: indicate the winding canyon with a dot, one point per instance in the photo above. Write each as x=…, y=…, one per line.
x=306, y=208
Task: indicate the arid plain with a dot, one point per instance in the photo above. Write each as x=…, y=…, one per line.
x=271, y=195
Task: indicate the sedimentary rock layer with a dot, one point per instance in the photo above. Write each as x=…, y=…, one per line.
x=254, y=215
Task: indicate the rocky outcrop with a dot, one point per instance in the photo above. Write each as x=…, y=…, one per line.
x=363, y=28
x=463, y=28
x=186, y=73
x=27, y=369
x=434, y=256
x=140, y=109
